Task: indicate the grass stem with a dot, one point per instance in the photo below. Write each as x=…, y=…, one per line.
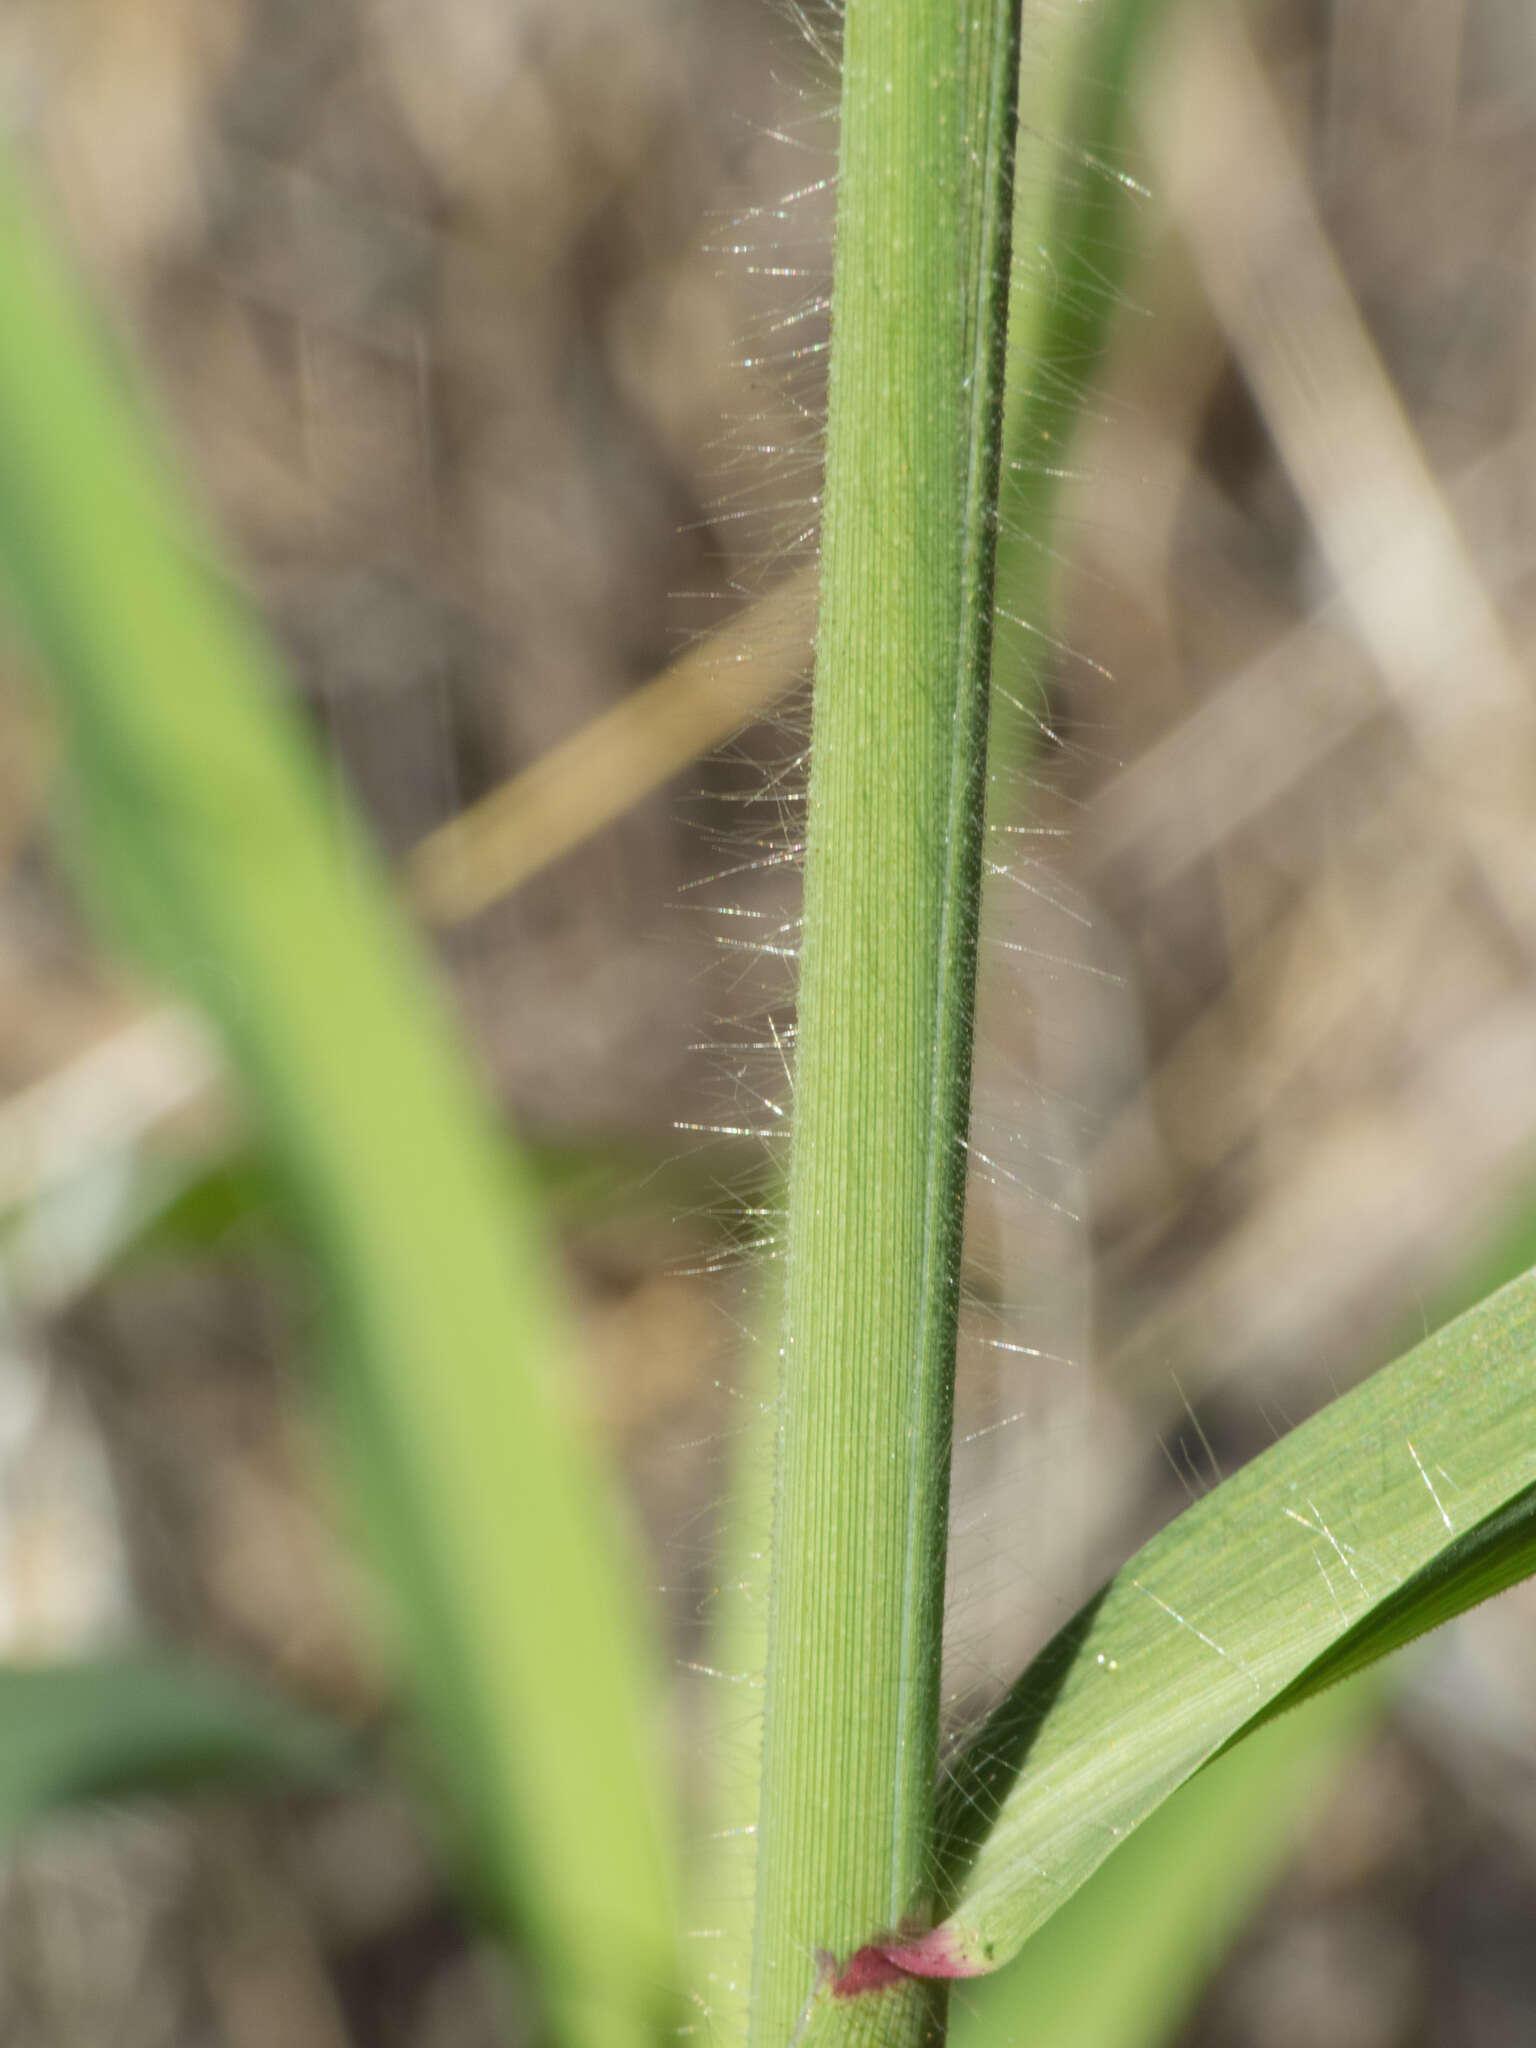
x=887, y=982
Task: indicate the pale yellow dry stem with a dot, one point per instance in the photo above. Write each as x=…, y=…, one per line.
x=161, y=1063
x=1278, y=718
x=1416, y=598
x=111, y=1095
x=1291, y=991
x=587, y=781
x=1327, y=1220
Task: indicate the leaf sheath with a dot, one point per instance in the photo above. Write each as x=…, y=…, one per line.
x=886, y=992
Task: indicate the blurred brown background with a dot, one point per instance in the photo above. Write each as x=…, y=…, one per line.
x=472, y=324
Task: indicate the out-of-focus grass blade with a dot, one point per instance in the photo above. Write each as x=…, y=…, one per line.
x=196, y=1206
x=209, y=834
x=1122, y=1962
x=1073, y=235
x=723, y=1875
x=1399, y=1505
x=115, y=1727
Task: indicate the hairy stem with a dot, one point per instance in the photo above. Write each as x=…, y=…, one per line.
x=887, y=982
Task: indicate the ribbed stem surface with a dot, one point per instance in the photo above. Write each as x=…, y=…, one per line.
x=887, y=982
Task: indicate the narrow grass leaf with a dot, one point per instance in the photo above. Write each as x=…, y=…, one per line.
x=1074, y=233
x=1125, y=1958
x=1396, y=1507
x=192, y=1207
x=127, y=1725
x=207, y=832
x=723, y=1874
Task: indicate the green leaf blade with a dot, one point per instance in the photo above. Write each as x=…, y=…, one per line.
x=115, y=1727
x=209, y=835
x=1121, y=1964
x=1397, y=1506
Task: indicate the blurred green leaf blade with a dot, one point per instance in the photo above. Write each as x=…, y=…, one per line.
x=210, y=838
x=119, y=1726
